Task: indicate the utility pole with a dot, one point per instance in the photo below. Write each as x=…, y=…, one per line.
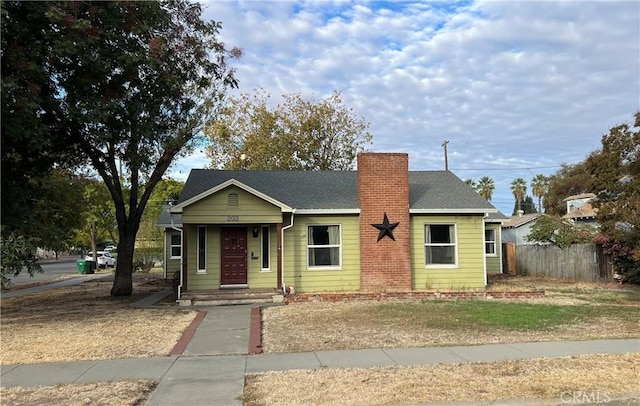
x=446, y=157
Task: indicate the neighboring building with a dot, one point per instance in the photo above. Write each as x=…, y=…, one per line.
x=579, y=209
x=516, y=228
x=492, y=241
x=375, y=229
x=576, y=201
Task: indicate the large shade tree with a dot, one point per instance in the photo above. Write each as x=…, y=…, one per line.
x=567, y=181
x=615, y=178
x=296, y=134
x=131, y=85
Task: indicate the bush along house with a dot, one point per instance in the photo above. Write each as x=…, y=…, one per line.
x=376, y=229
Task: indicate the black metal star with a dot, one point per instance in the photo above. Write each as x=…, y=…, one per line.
x=386, y=228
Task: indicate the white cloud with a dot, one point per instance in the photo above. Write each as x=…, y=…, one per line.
x=509, y=84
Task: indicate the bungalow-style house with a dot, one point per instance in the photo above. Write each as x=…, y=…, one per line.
x=517, y=227
x=379, y=228
x=580, y=210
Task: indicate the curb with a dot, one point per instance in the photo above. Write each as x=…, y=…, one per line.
x=255, y=331
x=188, y=334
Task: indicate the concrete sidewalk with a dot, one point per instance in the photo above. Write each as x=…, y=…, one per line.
x=202, y=375
x=212, y=367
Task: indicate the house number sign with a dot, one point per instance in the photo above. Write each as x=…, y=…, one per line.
x=233, y=218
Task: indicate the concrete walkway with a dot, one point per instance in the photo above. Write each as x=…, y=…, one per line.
x=212, y=367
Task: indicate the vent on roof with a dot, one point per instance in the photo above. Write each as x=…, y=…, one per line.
x=232, y=200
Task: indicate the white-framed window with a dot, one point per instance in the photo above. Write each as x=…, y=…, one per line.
x=176, y=246
x=490, y=241
x=202, y=249
x=324, y=246
x=440, y=245
x=264, y=248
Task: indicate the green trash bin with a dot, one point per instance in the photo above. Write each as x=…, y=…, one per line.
x=82, y=266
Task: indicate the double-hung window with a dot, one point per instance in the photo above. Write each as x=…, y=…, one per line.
x=324, y=246
x=176, y=246
x=440, y=245
x=490, y=242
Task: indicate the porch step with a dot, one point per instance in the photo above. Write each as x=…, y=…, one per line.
x=229, y=297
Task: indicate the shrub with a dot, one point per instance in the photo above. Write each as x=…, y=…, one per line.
x=625, y=259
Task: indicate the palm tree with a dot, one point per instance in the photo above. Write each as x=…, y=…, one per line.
x=472, y=183
x=539, y=186
x=519, y=189
x=486, y=186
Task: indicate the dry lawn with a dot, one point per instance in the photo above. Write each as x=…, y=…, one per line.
x=84, y=322
x=125, y=393
x=552, y=378
x=344, y=325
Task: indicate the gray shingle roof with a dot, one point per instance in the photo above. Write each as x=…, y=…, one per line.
x=428, y=190
x=442, y=190
x=164, y=219
x=298, y=189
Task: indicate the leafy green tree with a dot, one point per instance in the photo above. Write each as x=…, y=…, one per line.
x=296, y=134
x=614, y=170
x=519, y=189
x=149, y=245
x=539, y=185
x=56, y=215
x=553, y=230
x=18, y=255
x=133, y=84
x=527, y=206
x=569, y=180
x=486, y=186
x=31, y=115
x=98, y=215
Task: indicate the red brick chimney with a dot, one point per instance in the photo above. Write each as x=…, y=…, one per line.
x=383, y=187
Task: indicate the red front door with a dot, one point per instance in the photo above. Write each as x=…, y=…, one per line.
x=234, y=256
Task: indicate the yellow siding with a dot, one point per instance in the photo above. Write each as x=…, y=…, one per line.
x=214, y=209
x=210, y=279
x=257, y=278
x=171, y=265
x=295, y=251
x=469, y=272
x=494, y=262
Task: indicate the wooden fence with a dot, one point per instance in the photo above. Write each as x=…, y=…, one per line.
x=579, y=262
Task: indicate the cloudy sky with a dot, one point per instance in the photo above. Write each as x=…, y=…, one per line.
x=517, y=88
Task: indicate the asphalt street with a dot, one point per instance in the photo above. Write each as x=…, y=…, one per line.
x=54, y=270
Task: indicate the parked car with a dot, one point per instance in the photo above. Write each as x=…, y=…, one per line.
x=104, y=259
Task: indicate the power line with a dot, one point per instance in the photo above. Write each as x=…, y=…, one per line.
x=506, y=169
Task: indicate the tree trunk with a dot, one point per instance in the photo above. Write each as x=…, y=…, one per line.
x=123, y=279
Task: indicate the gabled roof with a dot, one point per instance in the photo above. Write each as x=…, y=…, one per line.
x=336, y=191
x=581, y=196
x=582, y=212
x=230, y=182
x=517, y=221
x=296, y=189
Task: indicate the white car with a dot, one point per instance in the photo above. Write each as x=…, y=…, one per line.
x=104, y=259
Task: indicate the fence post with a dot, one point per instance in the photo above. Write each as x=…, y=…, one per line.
x=511, y=259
